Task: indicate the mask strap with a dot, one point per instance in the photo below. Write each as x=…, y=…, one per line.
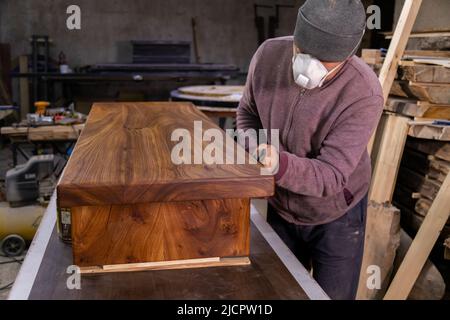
x=359, y=43
x=332, y=70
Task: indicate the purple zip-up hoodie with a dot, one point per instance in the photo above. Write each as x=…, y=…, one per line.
x=324, y=165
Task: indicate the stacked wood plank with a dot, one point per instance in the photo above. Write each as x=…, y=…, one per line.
x=424, y=81
x=447, y=249
x=372, y=57
x=44, y=133
x=428, y=129
x=421, y=92
x=424, y=166
x=422, y=85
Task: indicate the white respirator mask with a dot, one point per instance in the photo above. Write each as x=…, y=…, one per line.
x=309, y=72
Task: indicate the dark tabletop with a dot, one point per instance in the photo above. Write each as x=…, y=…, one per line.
x=266, y=278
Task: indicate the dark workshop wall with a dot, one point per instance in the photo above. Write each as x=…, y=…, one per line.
x=226, y=29
x=433, y=16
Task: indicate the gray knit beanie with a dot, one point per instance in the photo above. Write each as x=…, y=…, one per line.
x=330, y=30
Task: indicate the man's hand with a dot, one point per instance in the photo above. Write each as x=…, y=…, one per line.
x=268, y=156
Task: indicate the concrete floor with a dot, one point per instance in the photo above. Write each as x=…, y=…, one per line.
x=9, y=267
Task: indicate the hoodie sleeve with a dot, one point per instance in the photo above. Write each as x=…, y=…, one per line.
x=341, y=151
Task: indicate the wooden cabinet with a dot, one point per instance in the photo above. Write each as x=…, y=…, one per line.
x=131, y=205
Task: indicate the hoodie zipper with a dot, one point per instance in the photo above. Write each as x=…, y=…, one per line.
x=286, y=132
x=291, y=115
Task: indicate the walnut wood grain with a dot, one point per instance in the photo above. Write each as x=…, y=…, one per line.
x=158, y=231
x=123, y=157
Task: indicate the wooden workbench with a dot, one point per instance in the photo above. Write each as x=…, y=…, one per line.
x=52, y=135
x=44, y=133
x=274, y=273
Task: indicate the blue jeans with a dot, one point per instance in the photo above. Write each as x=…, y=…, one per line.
x=333, y=250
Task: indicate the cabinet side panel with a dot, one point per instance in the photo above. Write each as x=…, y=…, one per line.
x=103, y=235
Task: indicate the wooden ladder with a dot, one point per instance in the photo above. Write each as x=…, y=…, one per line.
x=422, y=244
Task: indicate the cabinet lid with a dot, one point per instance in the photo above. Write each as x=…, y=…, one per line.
x=123, y=156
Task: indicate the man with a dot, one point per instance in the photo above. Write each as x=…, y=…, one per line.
x=326, y=103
